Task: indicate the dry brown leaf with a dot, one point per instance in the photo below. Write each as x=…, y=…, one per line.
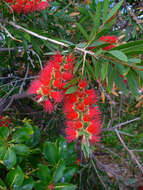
x=74, y=13
x=103, y=97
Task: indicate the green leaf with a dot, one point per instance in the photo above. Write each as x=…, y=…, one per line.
x=59, y=171
x=76, y=67
x=9, y=158
x=90, y=69
x=23, y=134
x=133, y=83
x=72, y=82
x=35, y=138
x=4, y=132
x=96, y=19
x=104, y=70
x=27, y=184
x=113, y=11
x=120, y=83
x=2, y=185
x=105, y=9
x=44, y=173
x=69, y=172
x=3, y=150
x=38, y=185
x=63, y=186
x=21, y=149
x=134, y=60
x=84, y=33
x=71, y=90
x=51, y=152
x=15, y=178
x=97, y=67
x=119, y=55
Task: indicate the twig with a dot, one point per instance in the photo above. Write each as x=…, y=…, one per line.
x=12, y=98
x=125, y=123
x=83, y=66
x=20, y=48
x=47, y=39
x=34, y=53
x=23, y=82
x=8, y=33
x=98, y=175
x=129, y=151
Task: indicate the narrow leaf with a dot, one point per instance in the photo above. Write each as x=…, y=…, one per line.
x=104, y=70
x=113, y=11
x=84, y=33
x=105, y=9
x=71, y=90
x=119, y=55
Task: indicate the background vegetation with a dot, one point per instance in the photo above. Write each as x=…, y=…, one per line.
x=33, y=151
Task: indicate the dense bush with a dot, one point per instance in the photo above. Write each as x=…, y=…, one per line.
x=74, y=69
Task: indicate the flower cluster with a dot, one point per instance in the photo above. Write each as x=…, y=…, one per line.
x=51, y=81
x=27, y=6
x=80, y=108
x=83, y=116
x=4, y=121
x=109, y=39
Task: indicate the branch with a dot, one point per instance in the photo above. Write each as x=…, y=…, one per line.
x=9, y=102
x=129, y=151
x=48, y=39
x=20, y=48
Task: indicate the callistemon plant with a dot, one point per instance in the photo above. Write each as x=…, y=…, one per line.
x=27, y=6
x=80, y=109
x=51, y=81
x=82, y=114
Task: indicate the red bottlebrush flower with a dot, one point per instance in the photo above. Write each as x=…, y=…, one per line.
x=80, y=106
x=78, y=125
x=58, y=83
x=83, y=84
x=91, y=98
x=95, y=113
x=34, y=87
x=57, y=96
x=46, y=74
x=48, y=106
x=109, y=39
x=72, y=115
x=56, y=65
x=86, y=118
x=58, y=58
x=108, y=47
x=80, y=93
x=67, y=76
x=58, y=75
x=27, y=6
x=9, y=1
x=94, y=128
x=70, y=59
x=70, y=124
x=71, y=134
x=72, y=98
x=42, y=6
x=45, y=90
x=4, y=121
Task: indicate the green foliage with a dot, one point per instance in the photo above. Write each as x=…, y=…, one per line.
x=23, y=172
x=29, y=158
